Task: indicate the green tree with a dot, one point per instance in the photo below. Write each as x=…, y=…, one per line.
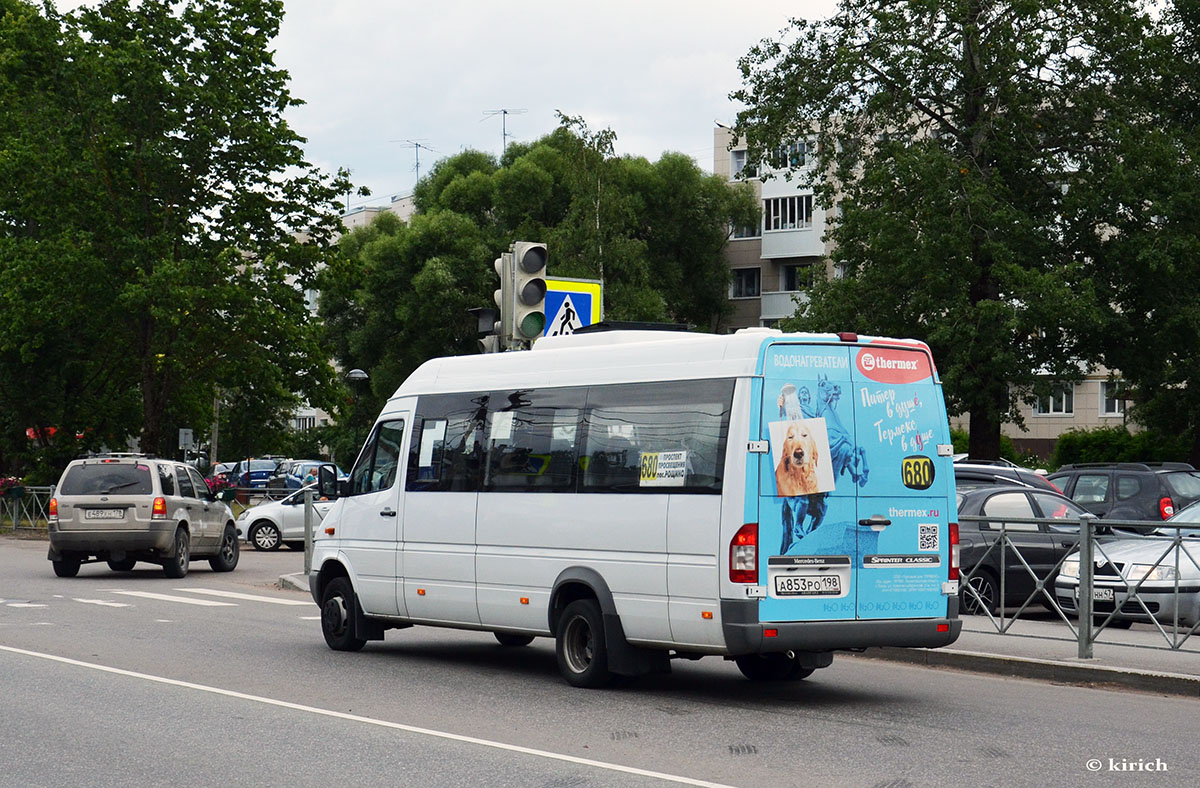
x=1146, y=198
x=161, y=211
x=653, y=232
x=948, y=133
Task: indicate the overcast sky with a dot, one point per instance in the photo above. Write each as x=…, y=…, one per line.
x=378, y=72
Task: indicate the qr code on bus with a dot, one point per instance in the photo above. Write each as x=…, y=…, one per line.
x=927, y=537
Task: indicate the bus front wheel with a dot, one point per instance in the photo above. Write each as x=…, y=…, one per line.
x=579, y=645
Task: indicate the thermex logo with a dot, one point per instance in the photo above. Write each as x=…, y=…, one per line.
x=893, y=365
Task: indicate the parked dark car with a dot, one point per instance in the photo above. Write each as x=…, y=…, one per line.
x=290, y=474
x=1130, y=490
x=974, y=473
x=253, y=473
x=1041, y=545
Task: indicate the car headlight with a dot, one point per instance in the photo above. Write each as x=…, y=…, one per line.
x=1137, y=572
x=1070, y=568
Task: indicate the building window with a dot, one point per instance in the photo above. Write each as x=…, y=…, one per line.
x=739, y=168
x=304, y=422
x=1112, y=398
x=793, y=155
x=798, y=277
x=788, y=213
x=746, y=231
x=747, y=283
x=1060, y=402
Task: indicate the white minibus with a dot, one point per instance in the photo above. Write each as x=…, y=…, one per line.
x=639, y=496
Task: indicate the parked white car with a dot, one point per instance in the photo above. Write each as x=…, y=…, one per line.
x=1169, y=577
x=271, y=524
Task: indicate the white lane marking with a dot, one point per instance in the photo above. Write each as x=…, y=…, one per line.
x=251, y=597
x=168, y=598
x=101, y=602
x=23, y=604
x=555, y=756
x=310, y=618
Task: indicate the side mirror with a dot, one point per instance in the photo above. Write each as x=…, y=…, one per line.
x=327, y=482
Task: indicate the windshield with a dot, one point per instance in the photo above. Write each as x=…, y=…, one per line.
x=107, y=479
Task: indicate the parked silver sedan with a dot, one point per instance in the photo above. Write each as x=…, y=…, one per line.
x=271, y=524
x=1168, y=572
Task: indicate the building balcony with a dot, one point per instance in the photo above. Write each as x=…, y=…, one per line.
x=781, y=303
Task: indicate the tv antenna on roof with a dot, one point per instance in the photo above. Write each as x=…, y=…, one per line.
x=503, y=113
x=416, y=146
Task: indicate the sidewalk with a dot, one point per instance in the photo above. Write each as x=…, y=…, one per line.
x=1042, y=648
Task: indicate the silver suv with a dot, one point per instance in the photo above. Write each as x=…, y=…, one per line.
x=123, y=508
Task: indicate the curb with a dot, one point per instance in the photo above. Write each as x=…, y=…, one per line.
x=297, y=581
x=1044, y=669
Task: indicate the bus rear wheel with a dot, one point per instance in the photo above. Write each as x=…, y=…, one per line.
x=579, y=645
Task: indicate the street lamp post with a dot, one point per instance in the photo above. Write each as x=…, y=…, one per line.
x=355, y=377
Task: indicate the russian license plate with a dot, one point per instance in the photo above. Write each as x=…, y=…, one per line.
x=1098, y=594
x=808, y=585
x=104, y=514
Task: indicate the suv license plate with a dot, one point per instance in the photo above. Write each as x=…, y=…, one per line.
x=104, y=514
x=808, y=585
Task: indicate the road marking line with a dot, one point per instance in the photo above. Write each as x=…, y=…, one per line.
x=104, y=602
x=274, y=600
x=23, y=604
x=168, y=598
x=555, y=756
x=310, y=618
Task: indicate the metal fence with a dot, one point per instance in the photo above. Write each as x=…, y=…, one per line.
x=1092, y=583
x=29, y=512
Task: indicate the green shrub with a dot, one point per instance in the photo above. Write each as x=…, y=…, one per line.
x=1117, y=444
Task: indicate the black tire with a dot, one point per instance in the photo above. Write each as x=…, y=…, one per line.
x=177, y=566
x=512, y=641
x=228, y=553
x=124, y=565
x=579, y=645
x=985, y=584
x=337, y=609
x=265, y=536
x=66, y=567
x=772, y=667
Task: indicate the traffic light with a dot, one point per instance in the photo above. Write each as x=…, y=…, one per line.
x=528, y=290
x=504, y=298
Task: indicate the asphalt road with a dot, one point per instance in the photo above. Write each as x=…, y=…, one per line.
x=132, y=679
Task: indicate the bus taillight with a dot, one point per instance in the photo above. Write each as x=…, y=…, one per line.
x=955, y=551
x=743, y=555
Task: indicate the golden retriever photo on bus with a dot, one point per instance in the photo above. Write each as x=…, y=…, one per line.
x=801, y=454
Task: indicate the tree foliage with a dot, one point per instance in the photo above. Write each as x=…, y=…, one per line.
x=950, y=135
x=654, y=232
x=158, y=221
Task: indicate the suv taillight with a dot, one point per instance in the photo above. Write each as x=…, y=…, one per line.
x=955, y=551
x=159, y=511
x=53, y=509
x=1166, y=507
x=743, y=555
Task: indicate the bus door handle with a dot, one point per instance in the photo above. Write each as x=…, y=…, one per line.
x=877, y=522
x=389, y=512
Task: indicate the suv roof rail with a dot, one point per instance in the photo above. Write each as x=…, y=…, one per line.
x=1130, y=466
x=118, y=455
x=1000, y=463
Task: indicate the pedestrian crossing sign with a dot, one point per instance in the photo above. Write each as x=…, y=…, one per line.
x=572, y=304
